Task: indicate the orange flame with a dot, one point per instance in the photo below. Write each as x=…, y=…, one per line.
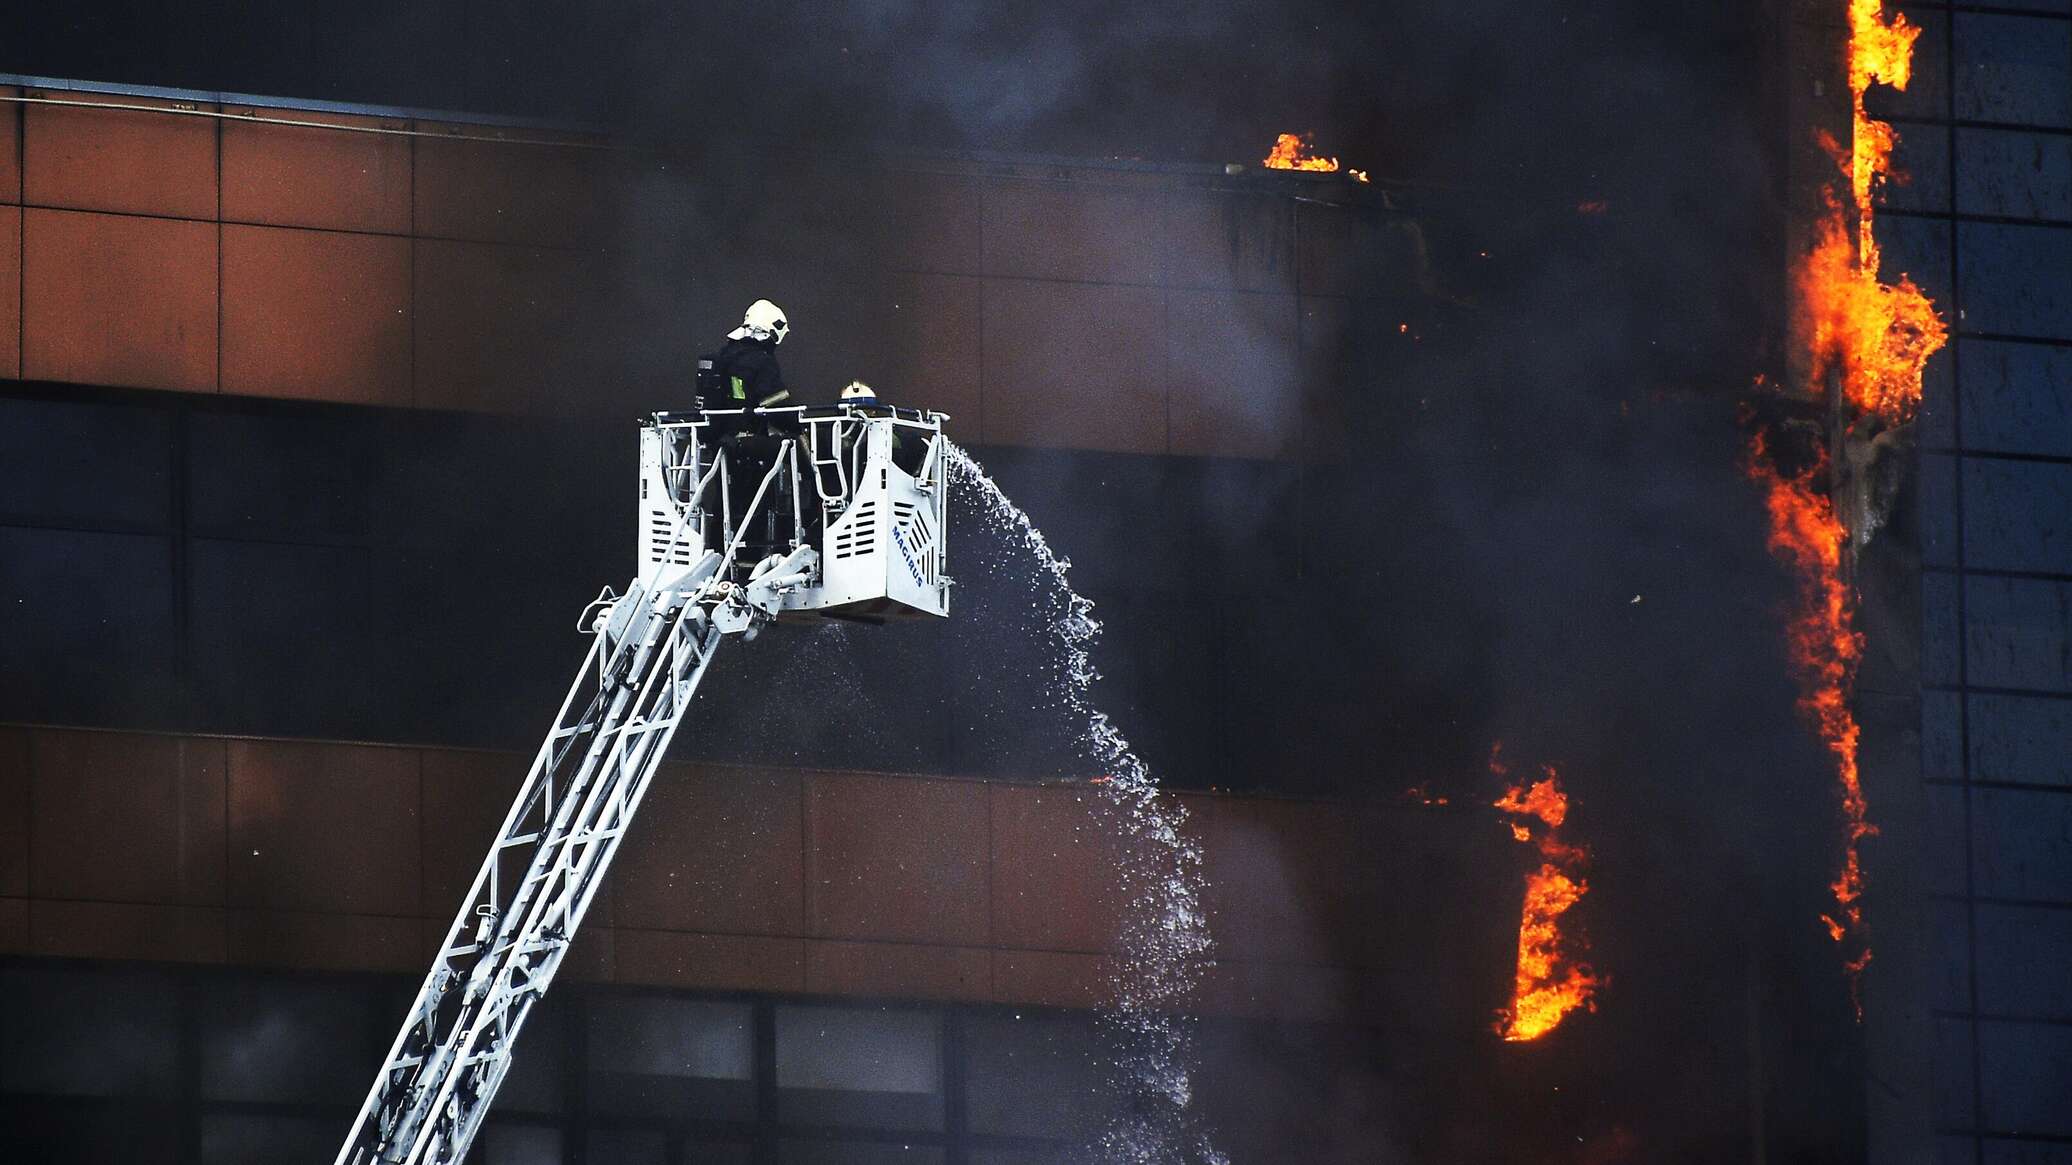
x=1291, y=151
x=1878, y=336
x=1825, y=650
x=1549, y=984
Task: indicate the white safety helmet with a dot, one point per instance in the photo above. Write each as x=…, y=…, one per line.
x=762, y=321
x=857, y=392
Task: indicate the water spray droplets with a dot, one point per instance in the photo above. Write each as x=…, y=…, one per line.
x=1165, y=936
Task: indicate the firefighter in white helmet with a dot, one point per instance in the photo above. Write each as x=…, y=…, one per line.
x=736, y=380
x=744, y=373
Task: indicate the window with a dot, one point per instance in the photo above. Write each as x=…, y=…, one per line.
x=845, y=1066
x=672, y=1058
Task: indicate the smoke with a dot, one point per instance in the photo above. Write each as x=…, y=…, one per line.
x=1526, y=521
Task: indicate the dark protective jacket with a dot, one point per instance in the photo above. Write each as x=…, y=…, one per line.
x=743, y=375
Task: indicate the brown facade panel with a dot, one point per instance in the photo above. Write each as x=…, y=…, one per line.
x=10, y=291
x=593, y=959
x=127, y=818
x=726, y=962
x=929, y=345
x=1286, y=992
x=897, y=859
x=899, y=969
x=1052, y=978
x=10, y=145
x=1345, y=253
x=1330, y=372
x=1228, y=240
x=1234, y=374
x=118, y=300
x=344, y=179
x=14, y=926
x=324, y=827
x=325, y=942
x=544, y=195
x=316, y=315
x=1054, y=866
x=924, y=222
x=498, y=331
x=465, y=798
x=121, y=930
x=130, y=161
x=716, y=849
x=1072, y=232
x=913, y=336
x=1278, y=874
x=1074, y=365
x=15, y=782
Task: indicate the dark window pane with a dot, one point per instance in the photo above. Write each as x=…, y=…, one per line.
x=284, y=1042
x=843, y=1066
x=672, y=1058
x=635, y=1147
x=520, y=1145
x=264, y=1140
x=1030, y=1077
x=75, y=461
x=851, y=1153
x=86, y=1033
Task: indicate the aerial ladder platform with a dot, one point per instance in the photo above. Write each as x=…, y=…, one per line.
x=747, y=517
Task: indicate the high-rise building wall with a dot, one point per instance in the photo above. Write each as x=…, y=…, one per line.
x=1967, y=738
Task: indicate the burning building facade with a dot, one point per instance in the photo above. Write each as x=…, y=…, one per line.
x=314, y=432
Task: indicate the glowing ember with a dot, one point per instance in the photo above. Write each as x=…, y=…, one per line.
x=1549, y=984
x=1292, y=151
x=1878, y=336
x=1825, y=649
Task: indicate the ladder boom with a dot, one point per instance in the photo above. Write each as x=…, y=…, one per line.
x=873, y=549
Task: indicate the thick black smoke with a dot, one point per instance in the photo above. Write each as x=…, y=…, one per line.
x=1533, y=527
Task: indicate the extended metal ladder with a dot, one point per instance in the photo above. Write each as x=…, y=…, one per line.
x=651, y=648
x=538, y=881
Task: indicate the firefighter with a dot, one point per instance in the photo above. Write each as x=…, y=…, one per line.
x=744, y=373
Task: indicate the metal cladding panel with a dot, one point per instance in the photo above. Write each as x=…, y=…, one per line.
x=1229, y=241
x=15, y=785
x=660, y=958
x=316, y=315
x=717, y=849
x=1054, y=858
x=10, y=146
x=509, y=192
x=877, y=969
x=119, y=300
x=925, y=222
x=344, y=178
x=466, y=794
x=1341, y=253
x=896, y=859
x=14, y=926
x=1074, y=366
x=156, y=160
x=1233, y=366
x=1051, y=978
x=1072, y=232
x=127, y=818
x=495, y=330
x=123, y=930
x=10, y=291
x=325, y=942
x=324, y=827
